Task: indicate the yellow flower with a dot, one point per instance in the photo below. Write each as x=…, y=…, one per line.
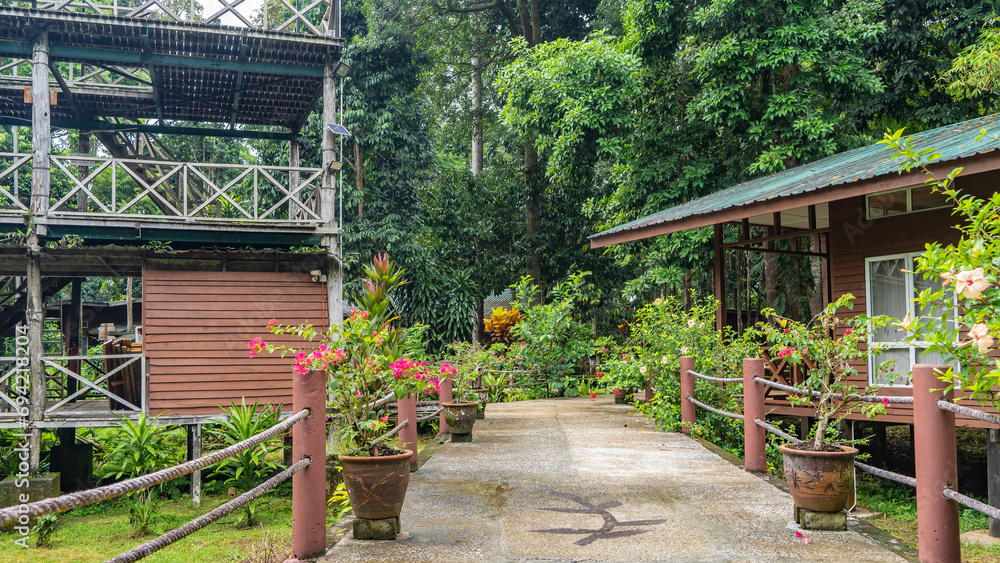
x=971, y=283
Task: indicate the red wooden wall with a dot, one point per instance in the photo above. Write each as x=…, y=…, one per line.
x=196, y=326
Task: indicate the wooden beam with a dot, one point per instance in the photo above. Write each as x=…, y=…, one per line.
x=772, y=238
x=720, y=278
x=774, y=251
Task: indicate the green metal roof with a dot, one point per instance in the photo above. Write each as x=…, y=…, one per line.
x=952, y=142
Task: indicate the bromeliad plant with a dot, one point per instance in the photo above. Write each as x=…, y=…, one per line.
x=831, y=345
x=364, y=359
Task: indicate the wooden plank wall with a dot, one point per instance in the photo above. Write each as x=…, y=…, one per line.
x=853, y=239
x=196, y=326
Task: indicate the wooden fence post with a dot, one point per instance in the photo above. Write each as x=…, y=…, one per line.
x=688, y=413
x=754, y=435
x=934, y=445
x=309, y=484
x=444, y=397
x=406, y=409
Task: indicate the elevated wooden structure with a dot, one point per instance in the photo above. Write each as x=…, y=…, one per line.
x=125, y=76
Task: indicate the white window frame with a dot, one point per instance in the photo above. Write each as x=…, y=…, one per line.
x=908, y=192
x=911, y=309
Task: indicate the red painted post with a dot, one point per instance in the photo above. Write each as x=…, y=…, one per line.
x=444, y=397
x=649, y=392
x=406, y=409
x=688, y=413
x=934, y=445
x=754, y=435
x=309, y=484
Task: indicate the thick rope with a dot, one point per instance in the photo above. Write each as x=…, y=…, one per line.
x=152, y=546
x=971, y=413
x=382, y=401
x=430, y=416
x=83, y=498
x=716, y=379
x=991, y=511
x=904, y=479
x=715, y=410
x=895, y=399
x=392, y=432
x=777, y=431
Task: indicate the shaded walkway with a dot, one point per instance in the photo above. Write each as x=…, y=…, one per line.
x=582, y=480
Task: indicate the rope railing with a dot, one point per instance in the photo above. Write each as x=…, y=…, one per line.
x=193, y=526
x=966, y=411
x=716, y=379
x=84, y=498
x=430, y=416
x=894, y=399
x=392, y=432
x=991, y=511
x=776, y=431
x=899, y=478
x=376, y=404
x=715, y=410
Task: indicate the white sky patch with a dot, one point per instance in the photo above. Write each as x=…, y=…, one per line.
x=246, y=8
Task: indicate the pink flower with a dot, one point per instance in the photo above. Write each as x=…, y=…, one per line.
x=806, y=541
x=785, y=352
x=449, y=369
x=979, y=336
x=885, y=401
x=691, y=323
x=971, y=283
x=798, y=534
x=257, y=345
x=384, y=418
x=788, y=330
x=642, y=370
x=848, y=331
x=271, y=324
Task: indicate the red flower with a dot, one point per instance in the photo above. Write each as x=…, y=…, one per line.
x=593, y=395
x=599, y=374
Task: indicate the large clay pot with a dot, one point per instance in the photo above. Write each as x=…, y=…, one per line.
x=376, y=485
x=460, y=418
x=820, y=481
x=623, y=396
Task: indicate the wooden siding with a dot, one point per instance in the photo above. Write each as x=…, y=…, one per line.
x=853, y=239
x=196, y=326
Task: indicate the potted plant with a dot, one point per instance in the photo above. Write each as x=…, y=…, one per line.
x=623, y=375
x=820, y=473
x=363, y=359
x=460, y=413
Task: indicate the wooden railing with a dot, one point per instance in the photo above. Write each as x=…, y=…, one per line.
x=289, y=16
x=97, y=187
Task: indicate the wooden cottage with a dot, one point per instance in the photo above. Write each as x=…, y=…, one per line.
x=855, y=212
x=212, y=242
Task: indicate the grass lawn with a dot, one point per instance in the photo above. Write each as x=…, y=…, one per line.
x=898, y=505
x=98, y=533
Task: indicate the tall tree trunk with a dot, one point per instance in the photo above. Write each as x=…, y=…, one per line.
x=737, y=293
x=359, y=177
x=770, y=278
x=533, y=183
x=477, y=117
x=816, y=292
x=687, y=290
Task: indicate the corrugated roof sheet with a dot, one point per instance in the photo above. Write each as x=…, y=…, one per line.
x=952, y=141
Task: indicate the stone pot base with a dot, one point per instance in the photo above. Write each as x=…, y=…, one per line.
x=826, y=521
x=461, y=437
x=385, y=529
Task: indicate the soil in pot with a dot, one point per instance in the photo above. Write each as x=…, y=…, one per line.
x=821, y=481
x=376, y=485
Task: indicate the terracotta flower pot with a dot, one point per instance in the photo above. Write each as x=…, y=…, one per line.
x=820, y=481
x=460, y=418
x=376, y=485
x=622, y=396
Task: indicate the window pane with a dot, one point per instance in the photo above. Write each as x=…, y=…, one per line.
x=922, y=198
x=925, y=357
x=889, y=293
x=892, y=203
x=895, y=373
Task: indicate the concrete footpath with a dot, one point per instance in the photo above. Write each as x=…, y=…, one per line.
x=587, y=480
